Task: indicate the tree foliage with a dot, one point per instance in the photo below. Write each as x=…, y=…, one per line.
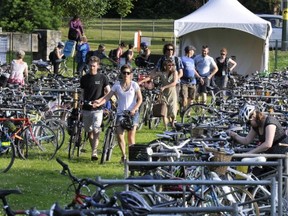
x=84, y=9
x=27, y=15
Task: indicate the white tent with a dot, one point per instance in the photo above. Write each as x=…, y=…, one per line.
x=227, y=23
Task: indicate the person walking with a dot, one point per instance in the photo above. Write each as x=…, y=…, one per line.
x=225, y=66
x=206, y=68
x=129, y=97
x=95, y=85
x=189, y=78
x=75, y=29
x=19, y=69
x=82, y=49
x=169, y=80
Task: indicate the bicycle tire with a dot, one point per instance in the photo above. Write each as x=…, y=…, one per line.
x=7, y=157
x=112, y=144
x=106, y=144
x=75, y=143
x=58, y=127
x=198, y=113
x=38, y=141
x=154, y=122
x=142, y=115
x=61, y=114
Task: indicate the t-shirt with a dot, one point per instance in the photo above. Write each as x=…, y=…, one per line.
x=204, y=65
x=93, y=86
x=126, y=99
x=188, y=71
x=280, y=136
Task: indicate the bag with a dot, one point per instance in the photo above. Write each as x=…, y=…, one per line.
x=52, y=56
x=113, y=54
x=72, y=34
x=159, y=109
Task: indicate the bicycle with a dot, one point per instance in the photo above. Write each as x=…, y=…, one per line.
x=7, y=149
x=109, y=138
x=75, y=129
x=31, y=139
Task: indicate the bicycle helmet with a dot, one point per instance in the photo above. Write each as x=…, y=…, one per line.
x=134, y=202
x=126, y=120
x=246, y=112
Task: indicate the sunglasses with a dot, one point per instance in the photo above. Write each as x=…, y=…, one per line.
x=126, y=73
x=223, y=53
x=170, y=49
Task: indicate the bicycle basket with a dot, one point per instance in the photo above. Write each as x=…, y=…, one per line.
x=138, y=152
x=219, y=156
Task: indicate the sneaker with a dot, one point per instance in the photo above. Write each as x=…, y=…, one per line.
x=123, y=158
x=94, y=157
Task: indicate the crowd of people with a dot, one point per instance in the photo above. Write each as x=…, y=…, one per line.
x=189, y=76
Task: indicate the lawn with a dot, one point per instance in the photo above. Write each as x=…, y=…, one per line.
x=41, y=181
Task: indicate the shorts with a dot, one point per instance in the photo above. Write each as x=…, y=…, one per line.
x=189, y=91
x=92, y=120
x=202, y=88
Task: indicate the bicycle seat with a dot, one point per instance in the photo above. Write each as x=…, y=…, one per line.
x=254, y=159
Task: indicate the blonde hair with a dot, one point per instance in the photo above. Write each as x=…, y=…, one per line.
x=20, y=54
x=84, y=39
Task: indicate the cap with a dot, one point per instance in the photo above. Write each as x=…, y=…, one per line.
x=61, y=44
x=188, y=48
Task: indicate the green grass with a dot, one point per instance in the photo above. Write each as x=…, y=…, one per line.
x=42, y=184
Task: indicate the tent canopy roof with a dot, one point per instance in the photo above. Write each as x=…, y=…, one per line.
x=223, y=14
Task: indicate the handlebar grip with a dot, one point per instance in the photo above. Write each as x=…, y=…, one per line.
x=64, y=165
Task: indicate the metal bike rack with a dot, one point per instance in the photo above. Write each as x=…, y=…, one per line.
x=271, y=182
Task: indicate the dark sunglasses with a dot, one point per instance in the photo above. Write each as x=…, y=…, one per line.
x=126, y=73
x=223, y=53
x=169, y=49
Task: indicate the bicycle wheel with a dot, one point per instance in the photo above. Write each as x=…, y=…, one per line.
x=61, y=114
x=108, y=139
x=7, y=156
x=221, y=99
x=58, y=127
x=105, y=146
x=75, y=142
x=38, y=141
x=142, y=115
x=154, y=122
x=113, y=143
x=198, y=113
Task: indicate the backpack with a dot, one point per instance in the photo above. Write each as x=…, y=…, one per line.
x=52, y=56
x=113, y=54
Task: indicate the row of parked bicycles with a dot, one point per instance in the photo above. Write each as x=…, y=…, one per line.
x=171, y=175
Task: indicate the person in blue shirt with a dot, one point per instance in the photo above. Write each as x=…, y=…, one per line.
x=188, y=80
x=82, y=49
x=206, y=68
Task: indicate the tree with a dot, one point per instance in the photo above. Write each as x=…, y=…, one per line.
x=25, y=16
x=85, y=9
